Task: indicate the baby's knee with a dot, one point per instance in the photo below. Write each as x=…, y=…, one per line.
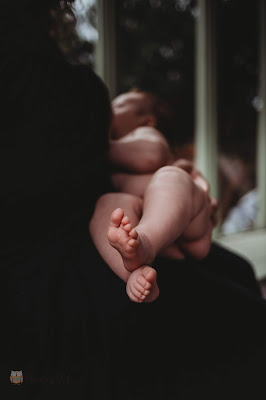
x=168, y=169
x=172, y=171
x=172, y=175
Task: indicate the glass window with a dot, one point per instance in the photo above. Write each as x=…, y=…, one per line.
x=155, y=52
x=238, y=103
x=77, y=37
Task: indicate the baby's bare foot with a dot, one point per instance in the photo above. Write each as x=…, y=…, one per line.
x=142, y=285
x=134, y=247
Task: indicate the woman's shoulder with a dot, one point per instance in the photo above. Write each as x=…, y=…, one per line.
x=44, y=70
x=88, y=83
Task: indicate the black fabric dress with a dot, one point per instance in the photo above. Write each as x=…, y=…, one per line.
x=67, y=322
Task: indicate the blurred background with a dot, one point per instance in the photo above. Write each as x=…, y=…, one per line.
x=207, y=59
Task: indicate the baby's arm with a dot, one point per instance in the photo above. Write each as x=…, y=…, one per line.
x=143, y=150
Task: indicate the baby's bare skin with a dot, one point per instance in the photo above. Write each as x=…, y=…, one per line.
x=164, y=221
x=142, y=285
x=135, y=250
x=170, y=209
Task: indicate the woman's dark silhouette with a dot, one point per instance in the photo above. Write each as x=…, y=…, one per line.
x=66, y=319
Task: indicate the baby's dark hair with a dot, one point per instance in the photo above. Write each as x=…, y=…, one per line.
x=160, y=108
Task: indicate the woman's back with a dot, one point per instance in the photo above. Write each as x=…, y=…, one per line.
x=66, y=316
x=53, y=142
x=53, y=145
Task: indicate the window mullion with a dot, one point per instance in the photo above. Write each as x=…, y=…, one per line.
x=261, y=134
x=106, y=48
x=205, y=96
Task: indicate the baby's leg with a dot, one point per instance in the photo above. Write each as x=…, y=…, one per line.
x=118, y=232
x=135, y=251
x=142, y=285
x=100, y=224
x=171, y=202
x=134, y=248
x=168, y=207
x=196, y=240
x=131, y=183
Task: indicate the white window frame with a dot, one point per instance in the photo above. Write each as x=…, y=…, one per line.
x=252, y=244
x=105, y=65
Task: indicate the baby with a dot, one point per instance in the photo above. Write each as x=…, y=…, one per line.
x=170, y=209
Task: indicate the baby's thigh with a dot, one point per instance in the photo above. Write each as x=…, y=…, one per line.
x=199, y=247
x=196, y=240
x=200, y=224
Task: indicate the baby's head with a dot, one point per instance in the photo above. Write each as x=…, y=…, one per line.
x=136, y=108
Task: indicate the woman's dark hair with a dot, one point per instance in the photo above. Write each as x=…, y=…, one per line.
x=54, y=4
x=31, y=9
x=64, y=3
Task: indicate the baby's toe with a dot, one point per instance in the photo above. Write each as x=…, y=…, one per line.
x=132, y=297
x=133, y=243
x=150, y=274
x=137, y=293
x=143, y=282
x=133, y=233
x=127, y=227
x=125, y=220
x=141, y=289
x=116, y=217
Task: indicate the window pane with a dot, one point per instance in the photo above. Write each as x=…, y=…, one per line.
x=77, y=37
x=155, y=52
x=237, y=44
